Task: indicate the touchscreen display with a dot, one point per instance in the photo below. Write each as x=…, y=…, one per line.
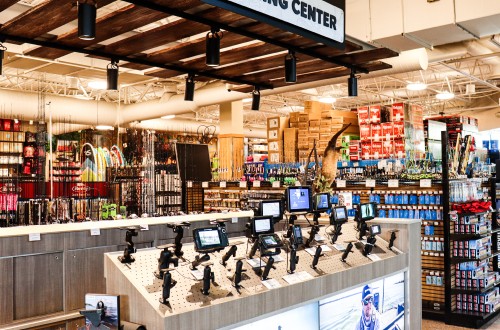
x=262, y=225
x=375, y=229
x=299, y=199
x=367, y=211
x=297, y=232
x=209, y=237
x=270, y=240
x=340, y=213
x=271, y=209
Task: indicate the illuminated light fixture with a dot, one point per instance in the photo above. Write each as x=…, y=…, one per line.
x=2, y=53
x=189, y=93
x=256, y=99
x=98, y=84
x=327, y=99
x=112, y=75
x=212, y=50
x=86, y=20
x=16, y=121
x=247, y=100
x=290, y=67
x=168, y=117
x=445, y=95
x=104, y=128
x=352, y=84
x=416, y=86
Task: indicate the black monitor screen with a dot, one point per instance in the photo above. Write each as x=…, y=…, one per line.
x=374, y=230
x=208, y=238
x=262, y=225
x=193, y=162
x=340, y=214
x=322, y=202
x=273, y=208
x=299, y=199
x=367, y=211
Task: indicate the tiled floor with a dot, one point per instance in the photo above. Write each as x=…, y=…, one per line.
x=434, y=325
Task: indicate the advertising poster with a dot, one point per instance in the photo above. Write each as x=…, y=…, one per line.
x=345, y=199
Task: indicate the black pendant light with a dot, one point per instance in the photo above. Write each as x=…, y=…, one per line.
x=112, y=75
x=86, y=20
x=352, y=84
x=290, y=67
x=256, y=99
x=189, y=93
x=2, y=53
x=212, y=50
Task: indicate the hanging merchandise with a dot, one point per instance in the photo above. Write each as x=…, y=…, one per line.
x=89, y=163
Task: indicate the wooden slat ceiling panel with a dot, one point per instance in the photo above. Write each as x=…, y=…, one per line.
x=44, y=18
x=320, y=75
x=4, y=4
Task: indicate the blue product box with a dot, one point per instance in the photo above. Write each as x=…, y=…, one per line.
x=421, y=199
x=413, y=199
x=405, y=199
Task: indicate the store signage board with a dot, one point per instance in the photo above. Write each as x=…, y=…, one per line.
x=319, y=20
x=32, y=237
x=95, y=232
x=276, y=184
x=256, y=184
x=393, y=183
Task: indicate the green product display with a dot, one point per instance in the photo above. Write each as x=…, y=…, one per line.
x=112, y=211
x=105, y=211
x=123, y=211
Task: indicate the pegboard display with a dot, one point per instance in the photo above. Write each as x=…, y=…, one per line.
x=186, y=295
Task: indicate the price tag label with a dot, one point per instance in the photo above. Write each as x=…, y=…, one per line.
x=345, y=164
x=234, y=220
x=340, y=183
x=144, y=227
x=243, y=184
x=356, y=164
x=370, y=183
x=393, y=183
x=95, y=232
x=204, y=184
x=256, y=183
x=34, y=237
x=190, y=184
x=425, y=183
x=222, y=184
x=276, y=184
x=297, y=184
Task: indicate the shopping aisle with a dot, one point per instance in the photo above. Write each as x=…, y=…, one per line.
x=434, y=325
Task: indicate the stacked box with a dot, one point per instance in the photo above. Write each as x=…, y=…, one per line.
x=275, y=132
x=354, y=150
x=290, y=145
x=315, y=108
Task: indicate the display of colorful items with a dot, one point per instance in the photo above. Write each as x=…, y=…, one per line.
x=95, y=160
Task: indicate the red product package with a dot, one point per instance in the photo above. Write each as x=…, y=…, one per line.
x=7, y=124
x=387, y=149
x=364, y=132
x=376, y=152
x=387, y=131
x=375, y=114
x=399, y=129
x=353, y=149
x=398, y=112
x=376, y=132
x=399, y=148
x=354, y=157
x=364, y=115
x=17, y=126
x=366, y=150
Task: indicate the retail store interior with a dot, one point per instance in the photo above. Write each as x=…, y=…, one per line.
x=224, y=164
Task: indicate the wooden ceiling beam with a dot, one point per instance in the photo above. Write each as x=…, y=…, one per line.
x=6, y=4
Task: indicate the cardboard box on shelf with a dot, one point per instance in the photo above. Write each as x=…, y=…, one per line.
x=275, y=157
x=290, y=136
x=354, y=157
x=294, y=117
x=364, y=115
x=354, y=149
x=303, y=153
x=399, y=129
x=399, y=148
x=303, y=117
x=388, y=149
x=322, y=145
x=398, y=112
x=375, y=114
x=303, y=125
x=314, y=122
x=364, y=132
x=275, y=146
x=313, y=136
x=314, y=129
x=376, y=150
x=387, y=130
x=315, y=108
x=291, y=155
x=311, y=144
x=277, y=122
x=302, y=146
x=294, y=124
x=303, y=132
x=326, y=122
x=338, y=120
x=347, y=139
x=376, y=132
x=302, y=140
x=366, y=148
x=325, y=129
x=325, y=136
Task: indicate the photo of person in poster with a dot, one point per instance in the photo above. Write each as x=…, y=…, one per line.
x=370, y=319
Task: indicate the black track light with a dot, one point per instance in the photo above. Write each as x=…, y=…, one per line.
x=213, y=38
x=2, y=53
x=189, y=93
x=290, y=67
x=352, y=84
x=112, y=75
x=256, y=99
x=86, y=20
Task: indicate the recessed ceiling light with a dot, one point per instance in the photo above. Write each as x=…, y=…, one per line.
x=416, y=86
x=445, y=96
x=104, y=128
x=327, y=99
x=98, y=84
x=168, y=117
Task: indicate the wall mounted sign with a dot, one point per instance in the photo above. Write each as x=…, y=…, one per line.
x=320, y=20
